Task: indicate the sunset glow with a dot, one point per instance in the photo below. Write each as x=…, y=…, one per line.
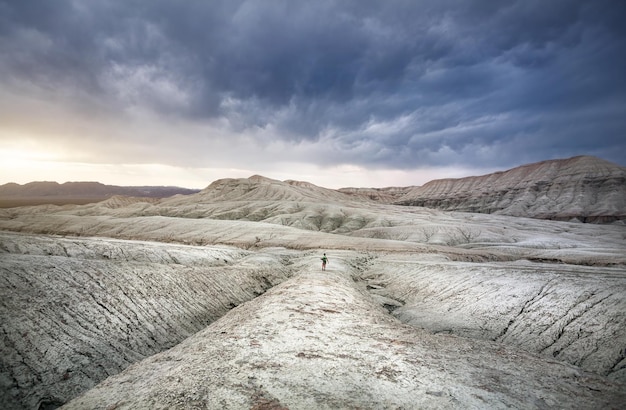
x=336, y=93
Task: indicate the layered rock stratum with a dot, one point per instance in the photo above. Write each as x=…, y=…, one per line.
x=583, y=188
x=217, y=300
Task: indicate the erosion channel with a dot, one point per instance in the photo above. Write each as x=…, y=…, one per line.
x=109, y=323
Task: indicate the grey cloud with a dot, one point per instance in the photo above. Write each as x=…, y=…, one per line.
x=496, y=78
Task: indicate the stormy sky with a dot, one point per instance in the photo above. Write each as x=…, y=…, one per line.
x=337, y=93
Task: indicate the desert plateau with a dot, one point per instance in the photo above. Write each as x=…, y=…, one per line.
x=500, y=291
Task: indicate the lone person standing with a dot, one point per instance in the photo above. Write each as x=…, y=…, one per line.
x=324, y=262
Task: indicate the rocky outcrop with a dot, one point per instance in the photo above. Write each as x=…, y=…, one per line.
x=583, y=188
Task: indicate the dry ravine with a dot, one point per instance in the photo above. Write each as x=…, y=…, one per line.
x=318, y=341
x=75, y=311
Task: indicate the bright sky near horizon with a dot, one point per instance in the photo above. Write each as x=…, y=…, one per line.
x=337, y=93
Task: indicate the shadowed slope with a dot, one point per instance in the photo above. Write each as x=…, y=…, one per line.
x=384, y=195
x=75, y=311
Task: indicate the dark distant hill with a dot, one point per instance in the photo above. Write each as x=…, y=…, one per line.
x=585, y=188
x=45, y=192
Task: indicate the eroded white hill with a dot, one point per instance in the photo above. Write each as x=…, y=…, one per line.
x=584, y=188
x=442, y=309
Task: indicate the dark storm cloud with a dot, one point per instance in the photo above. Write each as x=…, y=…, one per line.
x=382, y=83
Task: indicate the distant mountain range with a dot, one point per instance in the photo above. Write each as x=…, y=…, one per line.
x=583, y=188
x=79, y=192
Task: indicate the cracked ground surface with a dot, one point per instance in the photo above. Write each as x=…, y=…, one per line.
x=174, y=326
x=558, y=311
x=319, y=341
